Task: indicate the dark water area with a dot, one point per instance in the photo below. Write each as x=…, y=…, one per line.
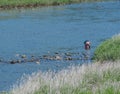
x=48, y=30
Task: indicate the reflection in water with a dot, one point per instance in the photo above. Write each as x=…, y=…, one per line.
x=6, y=15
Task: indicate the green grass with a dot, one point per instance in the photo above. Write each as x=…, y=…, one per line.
x=3, y=93
x=109, y=50
x=95, y=78
x=33, y=3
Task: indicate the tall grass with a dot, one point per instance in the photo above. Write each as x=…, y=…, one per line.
x=108, y=50
x=23, y=3
x=86, y=79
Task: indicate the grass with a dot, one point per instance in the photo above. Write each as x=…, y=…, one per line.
x=6, y=4
x=109, y=50
x=3, y=92
x=95, y=78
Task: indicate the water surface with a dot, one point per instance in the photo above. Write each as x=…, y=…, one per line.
x=52, y=29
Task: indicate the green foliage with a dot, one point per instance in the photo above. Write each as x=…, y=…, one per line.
x=24, y=3
x=106, y=83
x=109, y=50
x=3, y=93
x=109, y=89
x=43, y=90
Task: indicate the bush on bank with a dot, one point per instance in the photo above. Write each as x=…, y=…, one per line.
x=109, y=50
x=6, y=4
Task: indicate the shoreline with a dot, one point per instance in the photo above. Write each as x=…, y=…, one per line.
x=5, y=7
x=33, y=4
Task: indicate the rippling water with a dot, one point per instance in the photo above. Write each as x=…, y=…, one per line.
x=55, y=29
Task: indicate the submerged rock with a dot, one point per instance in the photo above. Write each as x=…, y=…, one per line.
x=58, y=58
x=68, y=58
x=23, y=56
x=13, y=62
x=37, y=62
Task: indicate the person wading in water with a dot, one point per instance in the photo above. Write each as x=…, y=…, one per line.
x=86, y=54
x=87, y=45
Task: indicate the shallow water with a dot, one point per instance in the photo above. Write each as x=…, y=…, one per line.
x=59, y=29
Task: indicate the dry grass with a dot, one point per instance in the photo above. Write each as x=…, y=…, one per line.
x=95, y=78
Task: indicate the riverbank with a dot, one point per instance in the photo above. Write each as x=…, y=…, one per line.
x=71, y=27
x=10, y=4
x=95, y=78
x=108, y=50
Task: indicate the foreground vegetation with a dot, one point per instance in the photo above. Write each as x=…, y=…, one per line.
x=108, y=50
x=94, y=78
x=6, y=4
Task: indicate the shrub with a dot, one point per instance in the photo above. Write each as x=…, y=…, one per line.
x=108, y=50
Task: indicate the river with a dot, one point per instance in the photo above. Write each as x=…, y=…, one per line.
x=54, y=29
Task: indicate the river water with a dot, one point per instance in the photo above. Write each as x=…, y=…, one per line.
x=49, y=30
